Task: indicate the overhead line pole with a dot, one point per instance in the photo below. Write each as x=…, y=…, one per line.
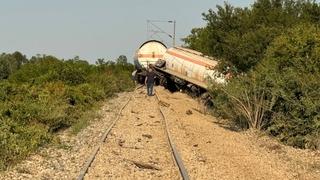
x=171, y=35
x=174, y=33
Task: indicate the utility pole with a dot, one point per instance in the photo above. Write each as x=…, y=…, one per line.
x=155, y=29
x=174, y=32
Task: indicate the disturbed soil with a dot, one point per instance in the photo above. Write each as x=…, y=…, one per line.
x=213, y=150
x=137, y=147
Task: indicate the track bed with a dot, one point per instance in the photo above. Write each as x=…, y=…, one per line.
x=137, y=146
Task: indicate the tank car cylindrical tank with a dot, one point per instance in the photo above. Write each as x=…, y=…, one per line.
x=149, y=53
x=191, y=66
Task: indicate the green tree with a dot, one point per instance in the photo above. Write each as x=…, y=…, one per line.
x=10, y=63
x=240, y=36
x=273, y=48
x=281, y=94
x=291, y=71
x=20, y=59
x=4, y=69
x=100, y=61
x=122, y=60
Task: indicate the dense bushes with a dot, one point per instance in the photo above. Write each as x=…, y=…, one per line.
x=240, y=36
x=17, y=140
x=9, y=63
x=273, y=50
x=46, y=94
x=283, y=88
x=292, y=70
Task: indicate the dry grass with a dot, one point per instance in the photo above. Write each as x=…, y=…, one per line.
x=252, y=107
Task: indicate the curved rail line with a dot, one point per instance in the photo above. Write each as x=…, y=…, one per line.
x=94, y=153
x=183, y=171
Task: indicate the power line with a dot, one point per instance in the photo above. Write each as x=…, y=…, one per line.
x=153, y=28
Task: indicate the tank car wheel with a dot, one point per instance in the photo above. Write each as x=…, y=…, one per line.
x=163, y=82
x=140, y=79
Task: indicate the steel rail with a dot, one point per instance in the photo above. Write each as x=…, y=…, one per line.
x=94, y=153
x=183, y=171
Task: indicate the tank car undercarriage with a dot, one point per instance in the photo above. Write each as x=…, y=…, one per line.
x=174, y=84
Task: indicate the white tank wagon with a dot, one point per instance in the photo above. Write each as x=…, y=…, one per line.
x=148, y=54
x=177, y=68
x=187, y=68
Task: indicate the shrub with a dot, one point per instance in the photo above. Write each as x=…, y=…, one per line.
x=17, y=140
x=294, y=58
x=46, y=95
x=243, y=101
x=9, y=63
x=282, y=93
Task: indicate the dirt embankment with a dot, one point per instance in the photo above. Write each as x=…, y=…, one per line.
x=212, y=150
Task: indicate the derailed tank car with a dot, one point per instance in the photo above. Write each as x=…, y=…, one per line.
x=177, y=68
x=148, y=54
x=184, y=68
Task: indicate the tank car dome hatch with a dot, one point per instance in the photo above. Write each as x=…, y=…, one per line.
x=149, y=53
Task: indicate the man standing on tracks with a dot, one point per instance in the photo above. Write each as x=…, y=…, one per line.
x=149, y=81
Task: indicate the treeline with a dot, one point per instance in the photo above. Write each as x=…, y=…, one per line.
x=273, y=51
x=42, y=95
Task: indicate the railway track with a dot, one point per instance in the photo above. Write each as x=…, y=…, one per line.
x=174, y=152
x=93, y=155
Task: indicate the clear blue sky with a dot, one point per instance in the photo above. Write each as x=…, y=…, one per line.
x=93, y=28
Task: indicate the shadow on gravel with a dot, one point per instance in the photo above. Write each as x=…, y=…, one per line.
x=228, y=126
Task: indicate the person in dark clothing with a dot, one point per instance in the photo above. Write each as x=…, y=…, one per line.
x=149, y=81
